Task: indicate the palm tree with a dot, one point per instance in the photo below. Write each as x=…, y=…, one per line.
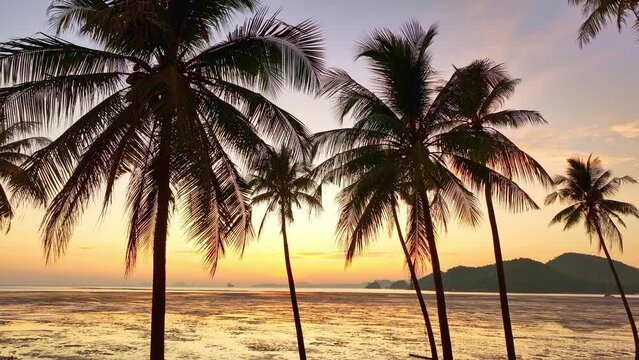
x=599, y=12
x=395, y=147
x=369, y=203
x=14, y=143
x=483, y=87
x=158, y=102
x=280, y=182
x=587, y=188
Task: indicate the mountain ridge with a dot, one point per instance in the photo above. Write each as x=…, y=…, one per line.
x=567, y=273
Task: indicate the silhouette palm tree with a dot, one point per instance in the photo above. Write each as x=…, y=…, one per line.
x=157, y=101
x=368, y=203
x=281, y=183
x=587, y=187
x=14, y=144
x=483, y=87
x=397, y=144
x=598, y=13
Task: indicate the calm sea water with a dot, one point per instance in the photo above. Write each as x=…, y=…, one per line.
x=88, y=324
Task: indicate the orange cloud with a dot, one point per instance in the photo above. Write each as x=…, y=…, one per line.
x=627, y=130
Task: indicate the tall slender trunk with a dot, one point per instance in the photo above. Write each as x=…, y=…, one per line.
x=291, y=287
x=158, y=307
x=418, y=290
x=631, y=319
x=444, y=330
x=501, y=277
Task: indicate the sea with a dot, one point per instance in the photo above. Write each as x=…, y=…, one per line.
x=109, y=323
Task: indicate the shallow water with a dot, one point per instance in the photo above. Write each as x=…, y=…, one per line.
x=337, y=325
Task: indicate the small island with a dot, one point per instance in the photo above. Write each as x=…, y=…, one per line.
x=373, y=285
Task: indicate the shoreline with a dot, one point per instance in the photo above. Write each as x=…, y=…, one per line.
x=306, y=290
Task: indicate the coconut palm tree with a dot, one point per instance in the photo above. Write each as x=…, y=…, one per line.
x=15, y=142
x=370, y=202
x=159, y=101
x=587, y=188
x=482, y=88
x=396, y=143
x=598, y=13
x=282, y=183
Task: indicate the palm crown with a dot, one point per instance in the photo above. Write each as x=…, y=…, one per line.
x=282, y=183
x=397, y=146
x=155, y=101
x=481, y=90
x=586, y=187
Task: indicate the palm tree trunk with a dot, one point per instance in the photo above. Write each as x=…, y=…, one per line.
x=291, y=287
x=444, y=330
x=631, y=319
x=158, y=307
x=420, y=296
x=501, y=277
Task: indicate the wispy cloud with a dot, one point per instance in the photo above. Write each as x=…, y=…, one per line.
x=627, y=130
x=552, y=148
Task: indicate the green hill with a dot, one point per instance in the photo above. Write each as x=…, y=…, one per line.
x=399, y=285
x=596, y=270
x=568, y=273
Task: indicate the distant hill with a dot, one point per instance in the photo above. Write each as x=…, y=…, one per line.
x=380, y=284
x=384, y=284
x=373, y=285
x=568, y=273
x=399, y=285
x=596, y=270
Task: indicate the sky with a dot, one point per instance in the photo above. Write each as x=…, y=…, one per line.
x=588, y=96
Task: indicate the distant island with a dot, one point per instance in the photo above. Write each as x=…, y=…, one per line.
x=570, y=273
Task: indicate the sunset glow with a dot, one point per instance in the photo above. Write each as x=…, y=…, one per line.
x=587, y=95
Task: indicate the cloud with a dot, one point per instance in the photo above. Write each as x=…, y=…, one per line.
x=552, y=147
x=627, y=130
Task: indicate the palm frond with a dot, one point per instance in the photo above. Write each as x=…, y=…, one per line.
x=402, y=67
x=598, y=13
x=266, y=52
x=37, y=59
x=352, y=98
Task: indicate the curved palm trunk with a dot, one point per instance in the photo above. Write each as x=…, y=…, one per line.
x=291, y=287
x=444, y=330
x=631, y=319
x=501, y=277
x=420, y=296
x=158, y=306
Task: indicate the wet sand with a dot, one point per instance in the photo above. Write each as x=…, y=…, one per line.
x=337, y=325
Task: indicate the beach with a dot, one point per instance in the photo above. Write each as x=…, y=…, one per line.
x=338, y=324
